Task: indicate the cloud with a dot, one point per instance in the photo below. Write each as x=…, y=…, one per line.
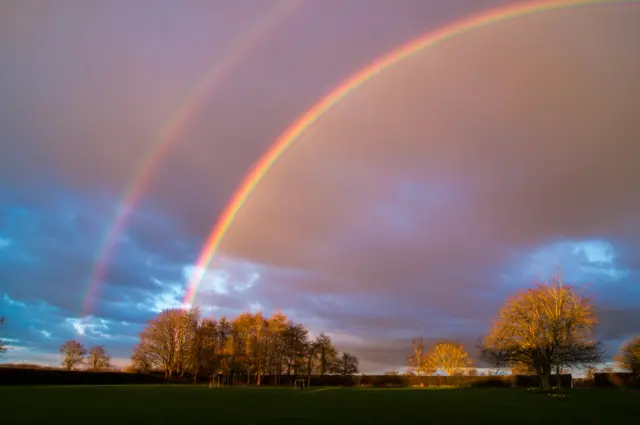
x=413, y=207
x=499, y=153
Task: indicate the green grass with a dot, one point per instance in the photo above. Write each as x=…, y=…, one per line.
x=158, y=405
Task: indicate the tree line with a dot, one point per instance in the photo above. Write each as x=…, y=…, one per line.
x=182, y=343
x=545, y=329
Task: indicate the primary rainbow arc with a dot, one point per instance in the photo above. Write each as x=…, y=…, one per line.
x=293, y=133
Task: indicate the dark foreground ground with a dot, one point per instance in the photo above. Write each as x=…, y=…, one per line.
x=185, y=405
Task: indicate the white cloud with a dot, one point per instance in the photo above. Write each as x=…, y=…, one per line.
x=90, y=326
x=581, y=262
x=255, y=306
x=226, y=275
x=170, y=295
x=10, y=301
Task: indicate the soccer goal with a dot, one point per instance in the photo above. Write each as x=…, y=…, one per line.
x=300, y=384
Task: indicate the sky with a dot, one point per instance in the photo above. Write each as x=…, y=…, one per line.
x=414, y=207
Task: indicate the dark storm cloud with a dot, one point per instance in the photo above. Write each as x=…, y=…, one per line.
x=37, y=330
x=54, y=251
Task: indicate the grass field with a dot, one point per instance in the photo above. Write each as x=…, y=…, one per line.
x=185, y=405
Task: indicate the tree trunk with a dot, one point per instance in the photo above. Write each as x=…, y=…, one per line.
x=544, y=380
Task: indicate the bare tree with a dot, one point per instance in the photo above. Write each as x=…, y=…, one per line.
x=166, y=341
x=140, y=363
x=72, y=354
x=448, y=357
x=543, y=327
x=629, y=356
x=418, y=359
x=97, y=359
x=3, y=343
x=347, y=364
x=324, y=353
x=296, y=342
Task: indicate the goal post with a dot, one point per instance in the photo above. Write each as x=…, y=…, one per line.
x=300, y=384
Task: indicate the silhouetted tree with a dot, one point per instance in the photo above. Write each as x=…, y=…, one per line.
x=97, y=359
x=448, y=357
x=3, y=343
x=325, y=353
x=629, y=356
x=296, y=348
x=72, y=354
x=347, y=364
x=543, y=327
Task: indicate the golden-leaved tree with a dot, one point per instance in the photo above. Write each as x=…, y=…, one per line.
x=448, y=357
x=546, y=327
x=419, y=360
x=629, y=356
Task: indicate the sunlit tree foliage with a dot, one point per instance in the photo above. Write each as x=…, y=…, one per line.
x=548, y=326
x=181, y=342
x=448, y=357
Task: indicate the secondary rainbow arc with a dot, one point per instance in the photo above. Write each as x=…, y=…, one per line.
x=170, y=133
